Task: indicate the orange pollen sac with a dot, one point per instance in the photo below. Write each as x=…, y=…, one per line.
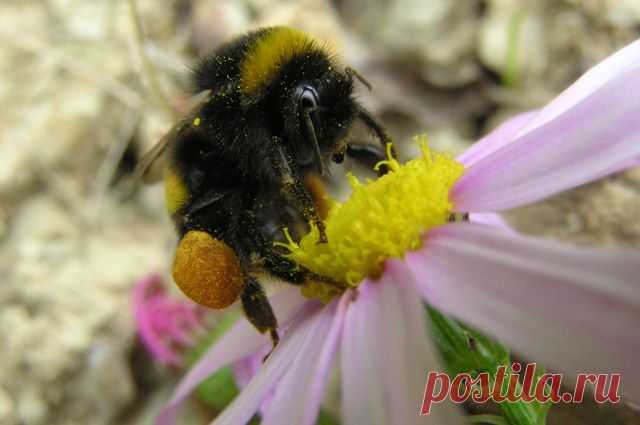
x=207, y=270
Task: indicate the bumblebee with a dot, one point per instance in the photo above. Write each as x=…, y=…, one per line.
x=249, y=161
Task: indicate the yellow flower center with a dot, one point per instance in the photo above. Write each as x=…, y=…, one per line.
x=383, y=218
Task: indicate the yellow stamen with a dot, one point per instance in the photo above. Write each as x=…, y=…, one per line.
x=383, y=218
x=290, y=242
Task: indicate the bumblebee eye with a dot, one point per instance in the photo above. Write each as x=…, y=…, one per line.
x=308, y=97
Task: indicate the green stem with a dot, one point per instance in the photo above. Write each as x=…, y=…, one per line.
x=487, y=419
x=511, y=72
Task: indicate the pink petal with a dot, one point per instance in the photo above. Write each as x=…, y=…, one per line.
x=144, y=322
x=573, y=309
x=238, y=342
x=299, y=394
x=502, y=135
x=635, y=162
x=161, y=322
x=363, y=399
x=245, y=369
x=490, y=219
x=614, y=66
x=310, y=324
x=387, y=354
x=591, y=139
x=417, y=354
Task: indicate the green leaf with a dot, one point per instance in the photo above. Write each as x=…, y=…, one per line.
x=326, y=418
x=487, y=419
x=466, y=350
x=219, y=389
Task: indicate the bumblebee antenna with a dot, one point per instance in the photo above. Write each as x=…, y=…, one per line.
x=351, y=72
x=365, y=116
x=374, y=126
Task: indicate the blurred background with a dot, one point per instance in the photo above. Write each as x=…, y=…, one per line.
x=87, y=86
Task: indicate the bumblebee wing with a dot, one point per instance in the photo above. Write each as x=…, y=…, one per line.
x=149, y=169
x=151, y=166
x=209, y=198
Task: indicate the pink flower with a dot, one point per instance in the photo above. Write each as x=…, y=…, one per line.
x=163, y=324
x=574, y=309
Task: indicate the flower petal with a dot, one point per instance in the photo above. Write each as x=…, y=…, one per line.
x=575, y=310
x=143, y=313
x=490, y=219
x=387, y=351
x=502, y=135
x=244, y=370
x=308, y=373
x=363, y=399
x=238, y=342
x=595, y=137
x=617, y=64
x=303, y=332
x=416, y=354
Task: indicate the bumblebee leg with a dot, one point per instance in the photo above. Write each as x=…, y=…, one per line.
x=258, y=310
x=308, y=207
x=296, y=188
x=284, y=268
x=292, y=272
x=376, y=128
x=459, y=218
x=209, y=273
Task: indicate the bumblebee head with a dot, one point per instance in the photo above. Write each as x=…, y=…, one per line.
x=316, y=114
x=306, y=96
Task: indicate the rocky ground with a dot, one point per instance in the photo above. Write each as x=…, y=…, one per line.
x=80, y=104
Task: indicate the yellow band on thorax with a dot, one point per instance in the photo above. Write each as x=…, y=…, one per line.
x=269, y=52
